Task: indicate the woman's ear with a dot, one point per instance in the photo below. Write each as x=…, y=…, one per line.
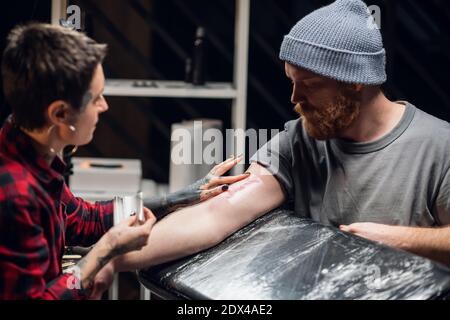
x=58, y=113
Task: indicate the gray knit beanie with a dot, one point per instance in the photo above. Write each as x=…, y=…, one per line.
x=339, y=42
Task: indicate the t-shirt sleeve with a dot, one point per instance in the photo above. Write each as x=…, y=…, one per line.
x=442, y=204
x=276, y=157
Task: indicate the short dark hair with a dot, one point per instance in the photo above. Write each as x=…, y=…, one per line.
x=43, y=63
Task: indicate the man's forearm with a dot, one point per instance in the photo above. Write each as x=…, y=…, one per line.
x=179, y=234
x=197, y=228
x=433, y=243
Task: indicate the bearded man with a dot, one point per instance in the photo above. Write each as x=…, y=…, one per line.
x=354, y=159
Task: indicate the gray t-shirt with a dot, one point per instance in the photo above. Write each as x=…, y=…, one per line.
x=400, y=179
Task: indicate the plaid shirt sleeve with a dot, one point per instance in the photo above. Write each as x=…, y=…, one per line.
x=86, y=223
x=24, y=259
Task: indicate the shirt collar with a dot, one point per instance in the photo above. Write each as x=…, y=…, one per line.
x=15, y=144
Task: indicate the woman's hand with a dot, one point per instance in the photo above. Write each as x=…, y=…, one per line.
x=210, y=186
x=102, y=281
x=120, y=239
x=127, y=236
x=214, y=184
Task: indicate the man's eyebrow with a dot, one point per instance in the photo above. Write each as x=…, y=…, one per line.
x=309, y=77
x=312, y=76
x=305, y=79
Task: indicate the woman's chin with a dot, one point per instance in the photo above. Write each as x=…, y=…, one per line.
x=86, y=141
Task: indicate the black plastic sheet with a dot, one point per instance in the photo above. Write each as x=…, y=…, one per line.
x=281, y=256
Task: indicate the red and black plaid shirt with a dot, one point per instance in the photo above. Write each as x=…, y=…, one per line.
x=38, y=217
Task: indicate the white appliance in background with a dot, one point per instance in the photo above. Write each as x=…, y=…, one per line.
x=97, y=179
x=183, y=174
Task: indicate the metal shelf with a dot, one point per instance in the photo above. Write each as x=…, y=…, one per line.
x=168, y=89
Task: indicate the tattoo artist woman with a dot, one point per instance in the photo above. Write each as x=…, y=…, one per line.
x=53, y=81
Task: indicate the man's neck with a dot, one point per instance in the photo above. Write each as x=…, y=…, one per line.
x=378, y=116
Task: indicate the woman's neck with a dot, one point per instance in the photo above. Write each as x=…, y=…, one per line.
x=43, y=145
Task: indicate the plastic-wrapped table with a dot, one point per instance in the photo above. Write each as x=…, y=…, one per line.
x=281, y=256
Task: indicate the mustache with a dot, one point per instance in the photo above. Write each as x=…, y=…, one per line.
x=303, y=107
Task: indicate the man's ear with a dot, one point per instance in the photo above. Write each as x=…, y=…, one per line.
x=58, y=113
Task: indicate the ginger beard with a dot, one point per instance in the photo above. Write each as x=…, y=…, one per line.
x=331, y=120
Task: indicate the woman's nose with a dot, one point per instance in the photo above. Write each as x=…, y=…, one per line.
x=103, y=105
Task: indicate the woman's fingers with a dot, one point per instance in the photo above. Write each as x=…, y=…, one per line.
x=102, y=281
x=148, y=214
x=147, y=226
x=214, y=171
x=225, y=166
x=98, y=289
x=149, y=222
x=206, y=194
x=132, y=220
x=226, y=180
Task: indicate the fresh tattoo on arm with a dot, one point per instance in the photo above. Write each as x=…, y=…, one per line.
x=199, y=191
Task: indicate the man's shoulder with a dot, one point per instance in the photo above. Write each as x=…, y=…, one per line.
x=293, y=129
x=292, y=124
x=428, y=126
x=432, y=121
x=297, y=135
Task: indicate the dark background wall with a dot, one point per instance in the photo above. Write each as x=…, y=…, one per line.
x=12, y=13
x=152, y=38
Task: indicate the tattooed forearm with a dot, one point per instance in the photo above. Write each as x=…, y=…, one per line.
x=162, y=206
x=96, y=259
x=102, y=261
x=192, y=194
x=87, y=276
x=169, y=203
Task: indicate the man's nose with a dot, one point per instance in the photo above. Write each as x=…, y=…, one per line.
x=294, y=96
x=297, y=98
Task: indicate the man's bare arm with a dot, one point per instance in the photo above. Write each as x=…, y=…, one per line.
x=205, y=225
x=433, y=243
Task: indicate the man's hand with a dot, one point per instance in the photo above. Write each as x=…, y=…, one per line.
x=385, y=234
x=432, y=243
